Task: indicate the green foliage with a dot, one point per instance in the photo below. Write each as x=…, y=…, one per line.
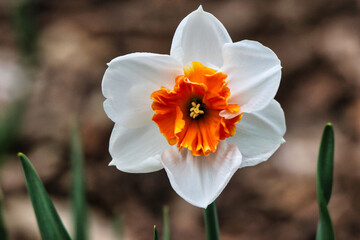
x=3, y=231
x=324, y=180
x=26, y=28
x=10, y=125
x=166, y=224
x=211, y=222
x=49, y=222
x=118, y=226
x=78, y=184
x=156, y=235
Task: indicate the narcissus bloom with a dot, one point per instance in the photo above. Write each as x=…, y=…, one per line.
x=201, y=113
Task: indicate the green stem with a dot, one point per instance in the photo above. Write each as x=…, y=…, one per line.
x=166, y=224
x=211, y=222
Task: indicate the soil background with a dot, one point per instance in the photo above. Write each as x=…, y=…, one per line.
x=318, y=43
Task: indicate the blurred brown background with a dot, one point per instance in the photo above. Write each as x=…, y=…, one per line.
x=59, y=64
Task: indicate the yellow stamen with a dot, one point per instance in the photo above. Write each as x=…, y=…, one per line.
x=195, y=110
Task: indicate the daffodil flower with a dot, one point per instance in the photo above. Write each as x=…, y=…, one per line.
x=201, y=113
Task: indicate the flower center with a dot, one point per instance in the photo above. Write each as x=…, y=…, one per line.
x=195, y=110
x=189, y=115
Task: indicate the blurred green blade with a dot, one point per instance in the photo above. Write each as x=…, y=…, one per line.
x=156, y=235
x=80, y=209
x=3, y=231
x=211, y=222
x=25, y=24
x=324, y=179
x=166, y=224
x=10, y=125
x=118, y=226
x=49, y=222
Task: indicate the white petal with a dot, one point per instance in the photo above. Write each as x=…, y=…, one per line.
x=254, y=73
x=200, y=37
x=137, y=150
x=129, y=81
x=259, y=134
x=200, y=180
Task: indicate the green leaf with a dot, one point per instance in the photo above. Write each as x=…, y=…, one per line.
x=326, y=162
x=166, y=224
x=3, y=231
x=211, y=222
x=78, y=186
x=156, y=235
x=324, y=180
x=49, y=222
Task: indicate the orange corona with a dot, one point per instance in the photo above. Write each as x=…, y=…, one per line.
x=189, y=116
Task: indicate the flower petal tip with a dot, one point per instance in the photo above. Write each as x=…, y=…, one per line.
x=204, y=206
x=228, y=115
x=112, y=163
x=200, y=9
